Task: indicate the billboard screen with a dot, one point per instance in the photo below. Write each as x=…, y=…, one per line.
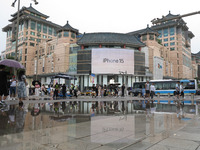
x=112, y=61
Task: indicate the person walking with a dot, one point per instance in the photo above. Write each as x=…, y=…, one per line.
x=152, y=90
x=177, y=89
x=64, y=90
x=147, y=89
x=3, y=84
x=123, y=89
x=56, y=90
x=21, y=87
x=37, y=89
x=13, y=88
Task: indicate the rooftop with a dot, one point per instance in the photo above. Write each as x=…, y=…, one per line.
x=110, y=38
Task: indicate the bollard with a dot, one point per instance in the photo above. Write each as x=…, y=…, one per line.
x=197, y=108
x=158, y=97
x=169, y=101
x=192, y=98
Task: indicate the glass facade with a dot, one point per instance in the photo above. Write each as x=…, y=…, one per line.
x=33, y=25
x=66, y=34
x=44, y=29
x=172, y=31
x=166, y=39
x=50, y=31
x=165, y=32
x=39, y=27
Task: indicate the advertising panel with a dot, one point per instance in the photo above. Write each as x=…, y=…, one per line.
x=157, y=68
x=112, y=61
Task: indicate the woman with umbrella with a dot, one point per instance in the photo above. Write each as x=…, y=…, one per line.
x=3, y=84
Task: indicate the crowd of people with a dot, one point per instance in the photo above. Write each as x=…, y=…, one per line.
x=9, y=88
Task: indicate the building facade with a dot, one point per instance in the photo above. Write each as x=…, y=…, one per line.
x=33, y=29
x=162, y=51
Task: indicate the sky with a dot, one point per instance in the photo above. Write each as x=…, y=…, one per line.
x=119, y=16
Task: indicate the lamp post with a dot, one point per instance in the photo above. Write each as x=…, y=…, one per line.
x=17, y=27
x=124, y=73
x=37, y=49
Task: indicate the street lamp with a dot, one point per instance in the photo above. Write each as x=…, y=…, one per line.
x=38, y=34
x=16, y=38
x=124, y=74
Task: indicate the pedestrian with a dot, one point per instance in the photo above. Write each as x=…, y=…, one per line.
x=56, y=90
x=147, y=89
x=123, y=89
x=99, y=91
x=75, y=91
x=93, y=91
x=13, y=88
x=182, y=90
x=3, y=84
x=37, y=89
x=152, y=90
x=21, y=87
x=43, y=89
x=64, y=90
x=177, y=92
x=96, y=91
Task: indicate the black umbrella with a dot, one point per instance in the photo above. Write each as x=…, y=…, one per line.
x=34, y=82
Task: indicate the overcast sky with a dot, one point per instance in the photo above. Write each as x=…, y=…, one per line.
x=120, y=16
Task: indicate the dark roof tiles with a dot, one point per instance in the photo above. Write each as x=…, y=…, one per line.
x=67, y=27
x=110, y=39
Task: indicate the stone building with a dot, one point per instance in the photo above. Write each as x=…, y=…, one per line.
x=175, y=35
x=157, y=56
x=33, y=29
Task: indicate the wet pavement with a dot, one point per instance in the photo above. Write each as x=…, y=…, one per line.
x=83, y=126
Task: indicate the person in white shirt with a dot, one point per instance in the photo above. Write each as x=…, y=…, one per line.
x=182, y=90
x=13, y=88
x=152, y=90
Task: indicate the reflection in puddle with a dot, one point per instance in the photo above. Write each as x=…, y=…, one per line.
x=72, y=126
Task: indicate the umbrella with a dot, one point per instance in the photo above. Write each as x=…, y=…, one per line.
x=33, y=83
x=11, y=63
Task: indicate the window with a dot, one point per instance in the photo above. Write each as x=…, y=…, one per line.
x=171, y=30
x=32, y=33
x=166, y=86
x=73, y=35
x=25, y=58
x=32, y=44
x=66, y=34
x=144, y=38
x=26, y=51
x=26, y=32
x=158, y=86
x=165, y=44
x=151, y=37
x=32, y=39
x=171, y=38
x=172, y=48
x=59, y=34
x=160, y=33
x=33, y=25
x=172, y=43
x=44, y=29
x=165, y=40
x=38, y=27
x=44, y=36
x=165, y=32
x=55, y=32
x=50, y=31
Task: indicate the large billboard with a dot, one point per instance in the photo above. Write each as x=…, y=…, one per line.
x=157, y=68
x=112, y=61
